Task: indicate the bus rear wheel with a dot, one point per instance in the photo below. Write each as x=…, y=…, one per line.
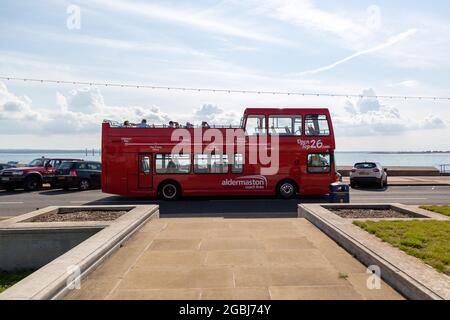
x=170, y=191
x=286, y=190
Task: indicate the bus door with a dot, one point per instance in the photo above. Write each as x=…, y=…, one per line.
x=319, y=173
x=145, y=176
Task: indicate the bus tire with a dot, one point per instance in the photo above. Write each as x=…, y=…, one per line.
x=169, y=191
x=286, y=189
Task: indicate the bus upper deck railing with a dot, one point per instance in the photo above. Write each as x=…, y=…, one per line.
x=116, y=124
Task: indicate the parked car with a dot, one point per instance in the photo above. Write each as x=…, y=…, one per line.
x=82, y=175
x=31, y=177
x=4, y=166
x=365, y=173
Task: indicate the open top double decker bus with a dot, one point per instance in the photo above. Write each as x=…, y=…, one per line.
x=283, y=152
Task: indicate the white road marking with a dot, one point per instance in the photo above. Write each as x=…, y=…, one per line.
x=389, y=198
x=11, y=202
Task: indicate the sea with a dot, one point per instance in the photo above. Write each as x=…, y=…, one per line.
x=342, y=158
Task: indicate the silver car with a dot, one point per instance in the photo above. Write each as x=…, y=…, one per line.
x=365, y=173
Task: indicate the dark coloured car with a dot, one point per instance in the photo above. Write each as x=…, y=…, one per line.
x=4, y=166
x=83, y=175
x=33, y=176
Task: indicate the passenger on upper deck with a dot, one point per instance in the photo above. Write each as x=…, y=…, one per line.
x=205, y=124
x=143, y=124
x=127, y=124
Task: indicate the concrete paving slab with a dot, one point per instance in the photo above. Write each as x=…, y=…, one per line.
x=170, y=258
x=236, y=294
x=235, y=258
x=359, y=283
x=164, y=294
x=175, y=244
x=230, y=244
x=285, y=276
x=344, y=292
x=182, y=277
x=231, y=261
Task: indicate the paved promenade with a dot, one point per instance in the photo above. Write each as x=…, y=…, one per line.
x=216, y=258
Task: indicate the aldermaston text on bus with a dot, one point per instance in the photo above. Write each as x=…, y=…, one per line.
x=283, y=152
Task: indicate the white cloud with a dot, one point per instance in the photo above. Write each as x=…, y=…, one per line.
x=305, y=14
x=206, y=21
x=113, y=43
x=368, y=117
x=390, y=42
x=215, y=115
x=80, y=111
x=405, y=84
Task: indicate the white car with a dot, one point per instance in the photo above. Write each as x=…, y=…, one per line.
x=364, y=173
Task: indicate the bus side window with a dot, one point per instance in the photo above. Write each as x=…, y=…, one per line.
x=210, y=163
x=316, y=125
x=238, y=163
x=255, y=125
x=285, y=125
x=145, y=165
x=172, y=163
x=319, y=162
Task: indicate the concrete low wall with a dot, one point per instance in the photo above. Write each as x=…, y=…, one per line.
x=56, y=278
x=399, y=171
x=34, y=248
x=405, y=273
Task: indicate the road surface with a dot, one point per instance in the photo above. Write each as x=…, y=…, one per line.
x=19, y=202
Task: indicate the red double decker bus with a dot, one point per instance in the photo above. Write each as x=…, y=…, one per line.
x=283, y=152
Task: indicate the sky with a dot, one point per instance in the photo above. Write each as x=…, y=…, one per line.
x=341, y=47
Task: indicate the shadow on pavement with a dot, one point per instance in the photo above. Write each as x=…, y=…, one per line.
x=219, y=207
x=54, y=192
x=370, y=189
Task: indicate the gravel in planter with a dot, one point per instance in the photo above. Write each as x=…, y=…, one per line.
x=86, y=215
x=371, y=213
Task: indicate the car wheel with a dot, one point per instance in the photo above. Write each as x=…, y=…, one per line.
x=286, y=190
x=9, y=188
x=381, y=183
x=352, y=185
x=32, y=184
x=170, y=191
x=84, y=185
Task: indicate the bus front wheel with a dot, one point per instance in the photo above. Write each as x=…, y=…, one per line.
x=170, y=191
x=286, y=190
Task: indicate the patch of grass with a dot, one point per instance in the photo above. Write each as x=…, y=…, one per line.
x=445, y=210
x=8, y=279
x=428, y=240
x=343, y=275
